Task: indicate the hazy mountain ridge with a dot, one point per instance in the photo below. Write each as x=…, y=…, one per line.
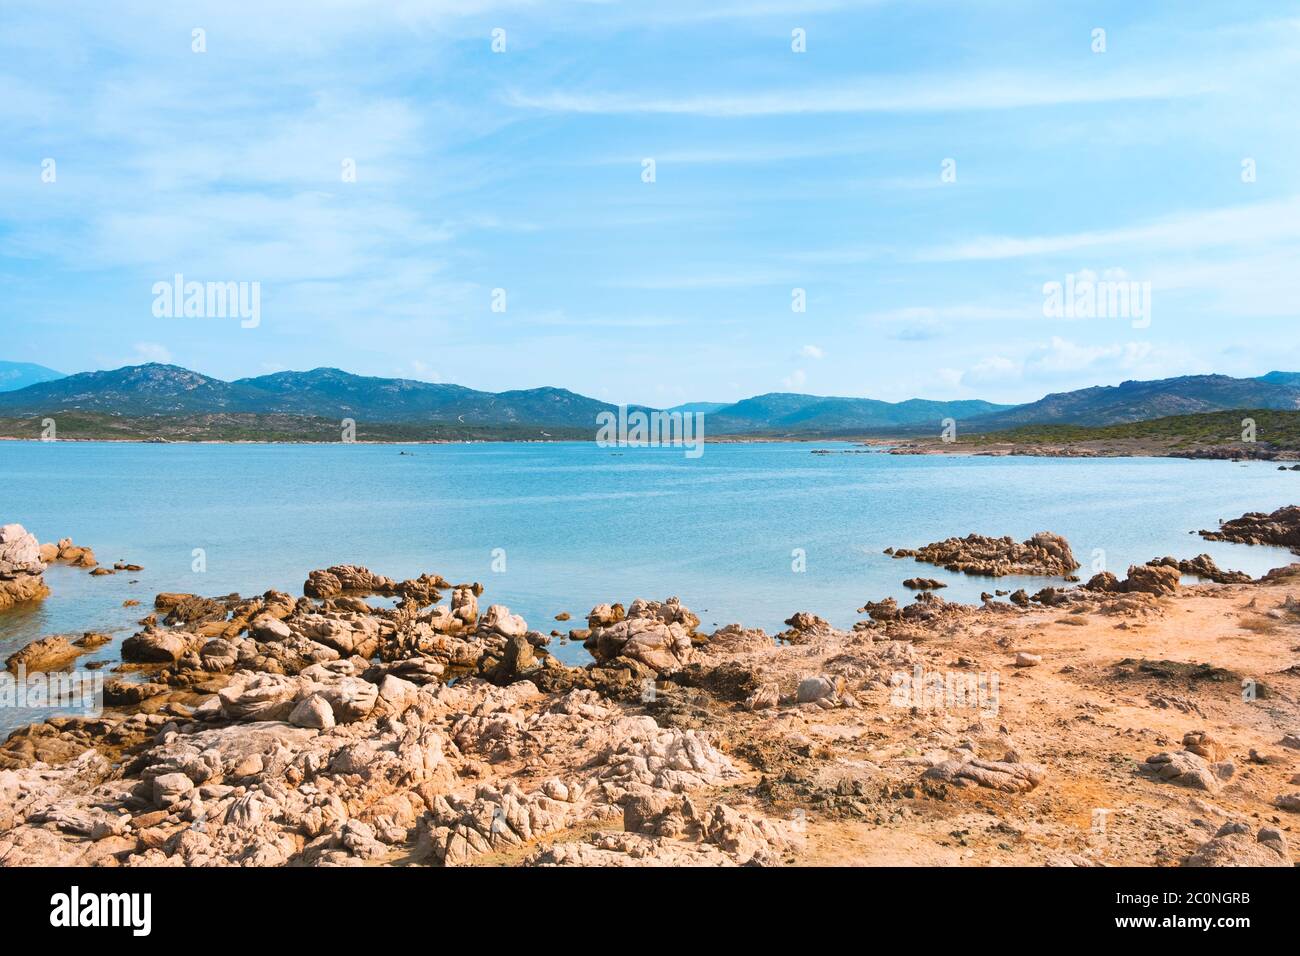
x=1134, y=401
x=154, y=389
x=15, y=375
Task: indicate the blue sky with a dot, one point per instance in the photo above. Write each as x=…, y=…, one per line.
x=774, y=170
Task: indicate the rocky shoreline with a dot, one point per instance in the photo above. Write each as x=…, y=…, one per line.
x=327, y=730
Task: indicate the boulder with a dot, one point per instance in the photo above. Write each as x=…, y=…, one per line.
x=49, y=653
x=257, y=696
x=1234, y=845
x=154, y=646
x=266, y=628
x=603, y=615
x=343, y=578
x=1156, y=579
x=498, y=620
x=313, y=712
x=1185, y=769
x=661, y=647
x=21, y=567
x=1006, y=776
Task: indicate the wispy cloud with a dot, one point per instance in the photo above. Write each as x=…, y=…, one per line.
x=1254, y=224
x=924, y=94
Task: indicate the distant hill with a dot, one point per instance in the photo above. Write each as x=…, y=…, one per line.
x=792, y=413
x=331, y=394
x=1139, y=401
x=15, y=375
x=155, y=389
x=1274, y=429
x=708, y=408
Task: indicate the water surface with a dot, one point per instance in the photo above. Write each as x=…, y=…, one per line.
x=579, y=525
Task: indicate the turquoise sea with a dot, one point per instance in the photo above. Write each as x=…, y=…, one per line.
x=578, y=525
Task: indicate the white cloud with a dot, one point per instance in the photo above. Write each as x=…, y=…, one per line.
x=900, y=94
x=796, y=379
x=1061, y=364
x=812, y=352
x=1249, y=224
x=150, y=352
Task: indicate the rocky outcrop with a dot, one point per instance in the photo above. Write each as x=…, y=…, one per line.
x=971, y=771
x=21, y=567
x=1159, y=579
x=1043, y=554
x=923, y=584
x=1281, y=528
x=1203, y=566
x=155, y=646
x=1188, y=769
x=47, y=654
x=1235, y=845
x=65, y=552
x=654, y=634
x=1155, y=579
x=345, y=578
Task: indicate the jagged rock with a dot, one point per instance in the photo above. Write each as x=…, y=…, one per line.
x=313, y=712
x=348, y=633
x=49, y=653
x=805, y=628
x=192, y=609
x=267, y=628
x=1156, y=579
x=825, y=690
x=1005, y=776
x=499, y=620
x=1233, y=845
x=65, y=552
x=603, y=615
x=1204, y=745
x=1103, y=581
x=120, y=693
x=661, y=647
x=923, y=584
x=21, y=568
x=517, y=661
x=1203, y=566
x=735, y=639
x=670, y=611
x=1282, y=527
x=351, y=698
x=1185, y=769
x=169, y=788
x=464, y=606
x=768, y=695
x=885, y=610
x=1289, y=802
x=344, y=578
x=257, y=696
x=1045, y=553
x=153, y=646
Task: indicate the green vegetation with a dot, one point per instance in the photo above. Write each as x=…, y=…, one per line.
x=1280, y=429
x=231, y=427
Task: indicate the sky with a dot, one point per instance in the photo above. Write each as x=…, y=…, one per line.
x=630, y=200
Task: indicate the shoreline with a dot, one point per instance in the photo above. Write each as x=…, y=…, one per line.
x=324, y=729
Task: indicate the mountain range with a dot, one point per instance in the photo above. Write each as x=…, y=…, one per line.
x=15, y=375
x=167, y=390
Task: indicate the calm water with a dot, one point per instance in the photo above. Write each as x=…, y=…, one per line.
x=580, y=525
